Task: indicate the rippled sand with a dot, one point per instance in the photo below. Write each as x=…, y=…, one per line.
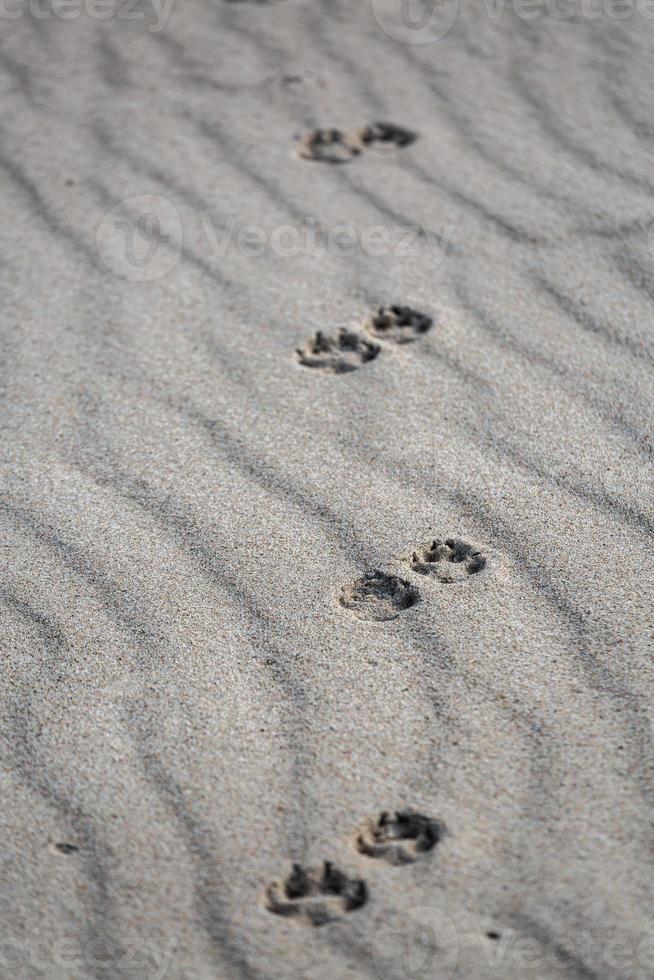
x=229, y=641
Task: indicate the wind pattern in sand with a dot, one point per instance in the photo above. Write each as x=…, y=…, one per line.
x=186, y=707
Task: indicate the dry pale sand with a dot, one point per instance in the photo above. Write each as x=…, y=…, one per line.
x=186, y=708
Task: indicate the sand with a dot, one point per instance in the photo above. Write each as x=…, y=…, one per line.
x=229, y=643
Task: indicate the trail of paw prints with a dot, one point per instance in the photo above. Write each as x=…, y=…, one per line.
x=345, y=352
x=349, y=349
x=315, y=896
x=401, y=838
x=335, y=146
x=377, y=597
x=451, y=560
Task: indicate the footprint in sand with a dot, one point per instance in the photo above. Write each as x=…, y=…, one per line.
x=397, y=324
x=451, y=560
x=335, y=146
x=345, y=352
x=399, y=839
x=348, y=350
x=327, y=146
x=386, y=133
x=316, y=895
x=377, y=597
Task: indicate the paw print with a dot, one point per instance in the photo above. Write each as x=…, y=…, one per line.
x=388, y=133
x=400, y=839
x=335, y=146
x=398, y=324
x=378, y=597
x=341, y=354
x=316, y=895
x=327, y=146
x=451, y=560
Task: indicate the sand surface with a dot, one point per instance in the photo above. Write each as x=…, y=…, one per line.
x=185, y=707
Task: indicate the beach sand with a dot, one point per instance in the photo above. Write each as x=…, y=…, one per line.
x=187, y=708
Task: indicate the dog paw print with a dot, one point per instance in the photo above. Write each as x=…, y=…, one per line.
x=399, y=839
x=387, y=133
x=316, y=895
x=377, y=597
x=345, y=352
x=397, y=324
x=335, y=146
x=327, y=146
x=451, y=560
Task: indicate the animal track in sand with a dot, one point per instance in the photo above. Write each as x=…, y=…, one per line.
x=377, y=597
x=335, y=146
x=316, y=895
x=328, y=146
x=399, y=839
x=345, y=352
x=387, y=133
x=451, y=560
x=397, y=324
